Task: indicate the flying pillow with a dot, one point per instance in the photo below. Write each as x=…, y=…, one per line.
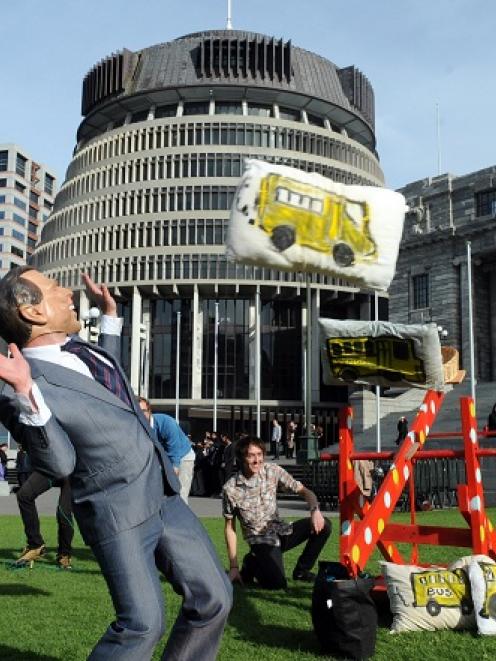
x=291, y=220
x=381, y=353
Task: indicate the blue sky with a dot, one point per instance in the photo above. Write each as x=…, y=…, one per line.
x=416, y=53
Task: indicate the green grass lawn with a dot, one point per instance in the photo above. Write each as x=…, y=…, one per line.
x=50, y=615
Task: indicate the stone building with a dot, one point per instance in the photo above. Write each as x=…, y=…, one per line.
x=431, y=275
x=145, y=207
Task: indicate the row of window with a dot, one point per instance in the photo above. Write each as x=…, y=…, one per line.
x=147, y=234
x=184, y=166
x=142, y=201
x=215, y=107
x=164, y=268
x=34, y=197
x=169, y=136
x=21, y=170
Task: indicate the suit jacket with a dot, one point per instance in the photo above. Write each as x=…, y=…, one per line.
x=118, y=470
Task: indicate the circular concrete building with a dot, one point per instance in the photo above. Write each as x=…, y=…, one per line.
x=145, y=207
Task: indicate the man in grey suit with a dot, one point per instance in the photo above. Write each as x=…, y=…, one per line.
x=60, y=403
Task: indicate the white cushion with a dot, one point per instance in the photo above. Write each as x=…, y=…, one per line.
x=291, y=220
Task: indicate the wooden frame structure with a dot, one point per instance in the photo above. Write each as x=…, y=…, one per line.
x=365, y=525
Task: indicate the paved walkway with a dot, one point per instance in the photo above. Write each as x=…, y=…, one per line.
x=202, y=507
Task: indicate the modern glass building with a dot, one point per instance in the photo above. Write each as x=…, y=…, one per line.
x=145, y=208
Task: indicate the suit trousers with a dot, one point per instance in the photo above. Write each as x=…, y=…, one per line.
x=34, y=486
x=174, y=542
x=264, y=562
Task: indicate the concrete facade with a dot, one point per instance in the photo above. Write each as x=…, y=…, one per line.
x=145, y=207
x=27, y=193
x=431, y=274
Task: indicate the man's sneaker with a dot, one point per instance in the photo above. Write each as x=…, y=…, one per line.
x=64, y=561
x=29, y=555
x=303, y=575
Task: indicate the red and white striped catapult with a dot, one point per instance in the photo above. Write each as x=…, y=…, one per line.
x=364, y=525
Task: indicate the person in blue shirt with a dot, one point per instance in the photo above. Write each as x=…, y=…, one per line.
x=175, y=443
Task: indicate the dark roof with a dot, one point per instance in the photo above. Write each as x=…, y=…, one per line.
x=228, y=58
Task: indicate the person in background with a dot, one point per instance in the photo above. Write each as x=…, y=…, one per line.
x=402, y=428
x=3, y=461
x=363, y=472
x=290, y=438
x=250, y=496
x=175, y=443
x=276, y=437
x=491, y=420
x=23, y=465
x=32, y=487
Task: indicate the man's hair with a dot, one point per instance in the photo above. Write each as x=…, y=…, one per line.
x=243, y=444
x=14, y=292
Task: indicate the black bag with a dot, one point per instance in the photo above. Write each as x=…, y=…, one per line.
x=343, y=613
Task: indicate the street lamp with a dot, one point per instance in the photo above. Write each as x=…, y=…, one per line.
x=216, y=363
x=90, y=321
x=91, y=318
x=178, y=358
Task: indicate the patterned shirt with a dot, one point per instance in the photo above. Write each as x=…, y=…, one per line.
x=253, y=501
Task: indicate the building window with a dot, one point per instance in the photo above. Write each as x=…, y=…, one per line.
x=164, y=349
x=19, y=203
x=139, y=116
x=485, y=203
x=4, y=160
x=3, y=183
x=19, y=187
x=18, y=235
x=226, y=108
x=18, y=219
x=165, y=111
x=17, y=251
x=34, y=197
x=2, y=199
x=290, y=114
x=232, y=346
x=21, y=165
x=315, y=120
x=259, y=109
x=1, y=231
x=420, y=291
x=33, y=213
x=2, y=215
x=196, y=108
x=49, y=182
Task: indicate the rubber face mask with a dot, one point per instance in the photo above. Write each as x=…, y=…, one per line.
x=56, y=312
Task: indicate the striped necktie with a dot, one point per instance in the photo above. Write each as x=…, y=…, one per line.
x=108, y=375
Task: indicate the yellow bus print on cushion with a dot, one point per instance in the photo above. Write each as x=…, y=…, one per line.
x=292, y=212
x=392, y=358
x=438, y=589
x=489, y=606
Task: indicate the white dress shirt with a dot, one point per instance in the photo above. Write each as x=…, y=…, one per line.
x=52, y=353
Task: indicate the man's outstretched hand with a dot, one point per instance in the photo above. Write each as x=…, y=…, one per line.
x=16, y=371
x=101, y=296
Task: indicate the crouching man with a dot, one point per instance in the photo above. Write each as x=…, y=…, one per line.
x=250, y=496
